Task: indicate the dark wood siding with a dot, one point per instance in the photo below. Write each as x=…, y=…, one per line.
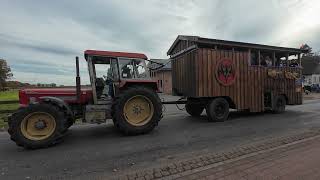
x=194, y=76
x=182, y=45
x=183, y=74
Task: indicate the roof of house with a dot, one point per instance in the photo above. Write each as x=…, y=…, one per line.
x=206, y=41
x=311, y=65
x=114, y=54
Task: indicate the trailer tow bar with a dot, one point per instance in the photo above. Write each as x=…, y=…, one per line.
x=179, y=101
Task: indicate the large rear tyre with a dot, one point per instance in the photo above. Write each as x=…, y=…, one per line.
x=279, y=104
x=137, y=110
x=37, y=126
x=218, y=110
x=194, y=109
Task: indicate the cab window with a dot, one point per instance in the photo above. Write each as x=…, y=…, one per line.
x=126, y=68
x=132, y=68
x=139, y=66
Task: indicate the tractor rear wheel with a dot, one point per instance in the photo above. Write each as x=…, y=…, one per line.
x=194, y=109
x=37, y=126
x=137, y=110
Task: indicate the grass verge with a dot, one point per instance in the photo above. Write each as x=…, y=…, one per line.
x=7, y=96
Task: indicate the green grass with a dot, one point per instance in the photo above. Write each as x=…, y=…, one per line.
x=3, y=118
x=9, y=106
x=7, y=96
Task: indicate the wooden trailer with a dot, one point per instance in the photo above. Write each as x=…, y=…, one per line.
x=217, y=75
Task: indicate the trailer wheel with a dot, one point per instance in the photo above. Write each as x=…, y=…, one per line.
x=36, y=126
x=218, y=110
x=194, y=109
x=137, y=110
x=279, y=104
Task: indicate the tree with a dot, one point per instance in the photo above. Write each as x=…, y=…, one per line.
x=5, y=73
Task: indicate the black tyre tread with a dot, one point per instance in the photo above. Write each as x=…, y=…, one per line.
x=117, y=108
x=68, y=120
x=194, y=109
x=275, y=109
x=211, y=117
x=17, y=117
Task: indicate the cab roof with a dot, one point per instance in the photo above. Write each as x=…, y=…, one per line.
x=114, y=54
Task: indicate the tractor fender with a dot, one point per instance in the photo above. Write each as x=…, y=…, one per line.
x=57, y=102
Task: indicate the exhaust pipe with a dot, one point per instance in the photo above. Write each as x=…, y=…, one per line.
x=78, y=82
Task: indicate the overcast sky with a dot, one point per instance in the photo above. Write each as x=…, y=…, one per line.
x=40, y=39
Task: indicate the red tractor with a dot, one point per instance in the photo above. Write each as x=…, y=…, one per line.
x=121, y=90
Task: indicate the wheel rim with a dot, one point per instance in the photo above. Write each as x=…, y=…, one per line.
x=138, y=110
x=38, y=126
x=219, y=110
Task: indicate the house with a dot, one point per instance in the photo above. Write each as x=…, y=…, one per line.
x=162, y=74
x=311, y=70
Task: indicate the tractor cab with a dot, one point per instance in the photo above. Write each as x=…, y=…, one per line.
x=114, y=75
x=111, y=71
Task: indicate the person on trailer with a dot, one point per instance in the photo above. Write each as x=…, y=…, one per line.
x=263, y=61
x=268, y=61
x=294, y=64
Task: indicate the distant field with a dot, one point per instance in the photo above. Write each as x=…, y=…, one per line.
x=7, y=96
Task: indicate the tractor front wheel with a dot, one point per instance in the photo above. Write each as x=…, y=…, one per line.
x=36, y=126
x=137, y=110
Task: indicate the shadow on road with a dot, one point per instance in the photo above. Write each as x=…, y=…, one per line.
x=241, y=115
x=92, y=135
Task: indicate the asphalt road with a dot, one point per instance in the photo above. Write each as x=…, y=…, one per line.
x=99, y=151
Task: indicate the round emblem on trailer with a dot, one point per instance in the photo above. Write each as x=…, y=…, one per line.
x=226, y=72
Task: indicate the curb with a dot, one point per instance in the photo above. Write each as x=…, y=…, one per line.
x=210, y=160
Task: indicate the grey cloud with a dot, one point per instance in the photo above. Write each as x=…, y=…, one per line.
x=115, y=22
x=41, y=68
x=8, y=40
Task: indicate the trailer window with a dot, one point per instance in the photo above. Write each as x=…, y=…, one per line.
x=293, y=61
x=266, y=59
x=258, y=58
x=254, y=58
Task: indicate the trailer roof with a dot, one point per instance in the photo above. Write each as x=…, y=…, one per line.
x=206, y=41
x=114, y=54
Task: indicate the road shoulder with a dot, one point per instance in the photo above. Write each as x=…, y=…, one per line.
x=241, y=162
